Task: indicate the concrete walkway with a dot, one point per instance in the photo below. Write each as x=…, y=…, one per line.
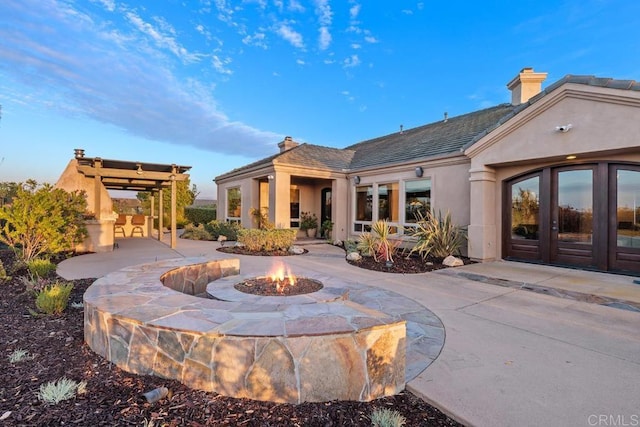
x=512, y=356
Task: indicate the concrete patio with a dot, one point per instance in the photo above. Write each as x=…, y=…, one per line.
x=512, y=356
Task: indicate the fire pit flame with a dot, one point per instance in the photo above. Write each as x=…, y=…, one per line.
x=282, y=277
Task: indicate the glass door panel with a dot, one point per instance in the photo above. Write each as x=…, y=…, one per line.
x=628, y=209
x=525, y=209
x=575, y=206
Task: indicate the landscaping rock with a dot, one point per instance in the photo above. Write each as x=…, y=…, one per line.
x=354, y=256
x=296, y=250
x=452, y=261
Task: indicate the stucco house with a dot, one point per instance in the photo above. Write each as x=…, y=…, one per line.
x=553, y=177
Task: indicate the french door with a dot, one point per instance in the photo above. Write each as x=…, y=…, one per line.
x=581, y=215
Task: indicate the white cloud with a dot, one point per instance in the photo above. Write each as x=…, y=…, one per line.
x=225, y=13
x=323, y=10
x=220, y=65
x=290, y=35
x=300, y=62
x=79, y=67
x=325, y=38
x=110, y=5
x=295, y=6
x=258, y=39
x=162, y=40
x=356, y=46
x=352, y=61
x=407, y=11
x=354, y=11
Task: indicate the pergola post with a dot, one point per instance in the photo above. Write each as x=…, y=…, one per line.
x=160, y=213
x=152, y=209
x=174, y=232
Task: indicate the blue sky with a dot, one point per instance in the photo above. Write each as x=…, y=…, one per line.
x=215, y=84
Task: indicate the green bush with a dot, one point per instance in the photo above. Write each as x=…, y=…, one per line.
x=43, y=221
x=200, y=215
x=3, y=272
x=53, y=299
x=437, y=236
x=227, y=229
x=39, y=267
x=257, y=240
x=196, y=232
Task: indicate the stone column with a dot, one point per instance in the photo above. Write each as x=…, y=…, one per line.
x=280, y=199
x=482, y=228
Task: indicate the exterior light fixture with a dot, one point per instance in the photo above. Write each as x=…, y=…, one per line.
x=419, y=171
x=356, y=179
x=79, y=153
x=139, y=171
x=564, y=128
x=269, y=177
x=571, y=157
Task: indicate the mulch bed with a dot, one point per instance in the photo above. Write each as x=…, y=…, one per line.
x=114, y=397
x=403, y=264
x=239, y=250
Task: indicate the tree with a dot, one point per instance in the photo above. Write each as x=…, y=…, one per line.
x=8, y=191
x=43, y=220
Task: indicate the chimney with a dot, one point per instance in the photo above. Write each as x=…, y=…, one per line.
x=525, y=85
x=287, y=144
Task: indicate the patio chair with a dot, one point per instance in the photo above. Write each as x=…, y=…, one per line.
x=118, y=226
x=138, y=221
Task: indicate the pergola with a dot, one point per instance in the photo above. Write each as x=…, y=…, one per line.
x=135, y=176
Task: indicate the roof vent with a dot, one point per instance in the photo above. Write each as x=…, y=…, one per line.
x=446, y=116
x=287, y=144
x=401, y=128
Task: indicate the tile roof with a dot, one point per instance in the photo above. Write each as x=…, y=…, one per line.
x=439, y=138
x=444, y=137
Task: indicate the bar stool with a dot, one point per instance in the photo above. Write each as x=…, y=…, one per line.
x=138, y=221
x=118, y=226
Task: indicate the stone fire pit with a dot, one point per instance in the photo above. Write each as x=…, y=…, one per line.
x=335, y=344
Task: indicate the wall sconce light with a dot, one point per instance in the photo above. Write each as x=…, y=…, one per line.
x=419, y=171
x=356, y=179
x=564, y=128
x=79, y=153
x=139, y=171
x=269, y=177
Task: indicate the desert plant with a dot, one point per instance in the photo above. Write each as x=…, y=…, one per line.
x=53, y=299
x=308, y=221
x=34, y=284
x=366, y=244
x=261, y=218
x=45, y=220
x=56, y=391
x=19, y=355
x=437, y=236
x=39, y=267
x=350, y=246
x=385, y=247
x=326, y=228
x=387, y=418
x=196, y=232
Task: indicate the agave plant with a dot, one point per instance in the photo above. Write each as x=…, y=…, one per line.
x=437, y=236
x=385, y=247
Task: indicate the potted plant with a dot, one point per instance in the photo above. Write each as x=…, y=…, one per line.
x=309, y=223
x=325, y=228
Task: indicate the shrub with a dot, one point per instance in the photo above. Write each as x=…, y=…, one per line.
x=200, y=214
x=437, y=236
x=196, y=232
x=39, y=267
x=257, y=240
x=53, y=299
x=56, y=391
x=350, y=246
x=40, y=221
x=3, y=272
x=227, y=229
x=261, y=218
x=366, y=244
x=387, y=418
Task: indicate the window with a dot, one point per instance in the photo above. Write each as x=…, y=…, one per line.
x=364, y=207
x=417, y=199
x=388, y=202
x=294, y=207
x=234, y=203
